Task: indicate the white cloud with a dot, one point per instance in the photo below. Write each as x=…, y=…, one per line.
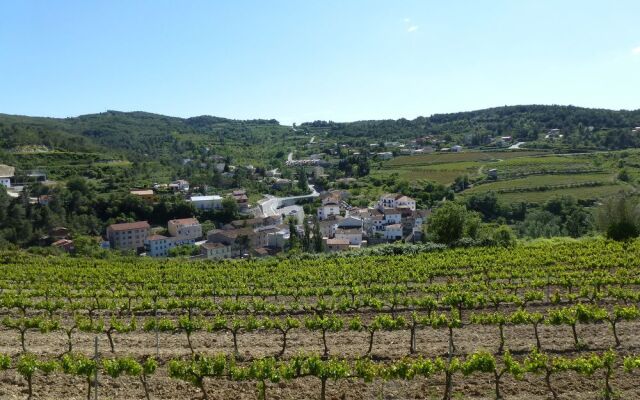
x=407, y=20
x=412, y=28
x=636, y=51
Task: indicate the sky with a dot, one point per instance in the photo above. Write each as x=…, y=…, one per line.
x=305, y=60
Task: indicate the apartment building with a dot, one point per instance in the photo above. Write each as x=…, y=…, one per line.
x=128, y=236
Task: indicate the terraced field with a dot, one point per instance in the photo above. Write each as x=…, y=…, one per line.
x=527, y=176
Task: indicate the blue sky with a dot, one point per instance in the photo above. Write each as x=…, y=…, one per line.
x=304, y=60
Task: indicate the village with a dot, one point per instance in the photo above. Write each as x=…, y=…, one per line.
x=393, y=218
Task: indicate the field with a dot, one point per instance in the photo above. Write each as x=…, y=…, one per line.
x=431, y=325
x=523, y=176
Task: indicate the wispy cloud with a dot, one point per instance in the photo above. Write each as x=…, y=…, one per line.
x=636, y=51
x=410, y=27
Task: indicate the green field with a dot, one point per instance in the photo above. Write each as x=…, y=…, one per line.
x=580, y=193
x=441, y=158
x=543, y=181
x=529, y=176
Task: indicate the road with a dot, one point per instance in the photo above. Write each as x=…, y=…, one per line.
x=290, y=156
x=313, y=138
x=272, y=205
x=516, y=146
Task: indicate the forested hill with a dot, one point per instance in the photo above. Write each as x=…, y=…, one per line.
x=130, y=133
x=525, y=122
x=140, y=133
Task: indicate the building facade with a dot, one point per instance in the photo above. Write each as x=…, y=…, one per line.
x=128, y=236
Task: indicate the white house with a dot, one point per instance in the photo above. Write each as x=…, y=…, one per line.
x=456, y=149
x=392, y=216
x=385, y=155
x=185, y=230
x=393, y=200
x=215, y=251
x=393, y=232
x=158, y=245
x=353, y=235
x=207, y=202
x=327, y=210
x=6, y=173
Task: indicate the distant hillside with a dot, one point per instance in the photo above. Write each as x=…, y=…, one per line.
x=135, y=134
x=524, y=122
x=129, y=133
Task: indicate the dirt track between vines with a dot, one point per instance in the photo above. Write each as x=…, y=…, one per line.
x=387, y=345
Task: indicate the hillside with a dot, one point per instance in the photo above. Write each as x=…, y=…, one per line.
x=130, y=133
x=139, y=133
x=524, y=122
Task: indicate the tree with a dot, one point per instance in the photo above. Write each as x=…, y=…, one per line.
x=486, y=204
x=451, y=222
x=229, y=209
x=619, y=217
x=318, y=245
x=504, y=236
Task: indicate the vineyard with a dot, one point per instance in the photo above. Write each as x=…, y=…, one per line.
x=549, y=319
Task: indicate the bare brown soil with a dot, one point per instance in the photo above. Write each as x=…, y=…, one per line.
x=387, y=345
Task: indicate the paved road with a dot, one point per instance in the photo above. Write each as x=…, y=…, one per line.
x=272, y=205
x=516, y=146
x=290, y=156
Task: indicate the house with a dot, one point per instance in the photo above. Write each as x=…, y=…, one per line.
x=128, y=236
x=385, y=155
x=327, y=226
x=393, y=232
x=281, y=183
x=260, y=252
x=146, y=195
x=392, y=215
x=185, y=230
x=352, y=235
x=158, y=245
x=6, y=175
x=394, y=200
x=64, y=244
x=328, y=209
x=206, y=202
x=278, y=239
x=180, y=185
x=506, y=138
x=240, y=196
x=333, y=245
x=553, y=134
x=215, y=251
x=254, y=222
x=240, y=240
x=456, y=149
x=492, y=173
x=272, y=173
x=59, y=232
